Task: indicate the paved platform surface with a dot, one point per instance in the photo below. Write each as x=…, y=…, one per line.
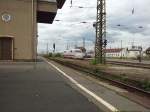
x=29, y=87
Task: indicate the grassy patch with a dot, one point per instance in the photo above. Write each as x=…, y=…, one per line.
x=146, y=84
x=93, y=62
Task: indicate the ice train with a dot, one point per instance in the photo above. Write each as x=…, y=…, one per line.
x=74, y=53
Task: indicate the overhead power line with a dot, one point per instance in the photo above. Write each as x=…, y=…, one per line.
x=81, y=7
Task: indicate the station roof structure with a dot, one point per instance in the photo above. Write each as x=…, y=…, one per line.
x=59, y=2
x=47, y=10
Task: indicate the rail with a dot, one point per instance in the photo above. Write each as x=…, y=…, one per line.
x=130, y=64
x=112, y=81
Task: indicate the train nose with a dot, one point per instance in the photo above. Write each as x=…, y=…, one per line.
x=80, y=55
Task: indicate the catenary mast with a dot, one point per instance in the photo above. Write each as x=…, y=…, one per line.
x=101, y=42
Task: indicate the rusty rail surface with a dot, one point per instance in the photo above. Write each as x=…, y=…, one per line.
x=126, y=63
x=130, y=64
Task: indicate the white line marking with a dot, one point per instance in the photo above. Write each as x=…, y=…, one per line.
x=106, y=104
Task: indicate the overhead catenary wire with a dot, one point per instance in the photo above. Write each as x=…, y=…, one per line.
x=72, y=6
x=119, y=26
x=81, y=7
x=122, y=26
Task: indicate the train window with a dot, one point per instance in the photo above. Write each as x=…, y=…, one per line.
x=78, y=51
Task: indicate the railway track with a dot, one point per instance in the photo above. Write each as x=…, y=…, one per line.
x=126, y=63
x=104, y=77
x=130, y=64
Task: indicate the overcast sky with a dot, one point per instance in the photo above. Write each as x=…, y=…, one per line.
x=121, y=25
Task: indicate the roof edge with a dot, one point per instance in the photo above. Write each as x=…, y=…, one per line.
x=60, y=3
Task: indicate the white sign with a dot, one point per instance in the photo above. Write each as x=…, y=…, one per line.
x=6, y=17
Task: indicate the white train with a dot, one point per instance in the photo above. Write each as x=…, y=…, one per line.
x=74, y=53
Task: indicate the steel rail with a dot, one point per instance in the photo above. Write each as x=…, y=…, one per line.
x=130, y=64
x=112, y=81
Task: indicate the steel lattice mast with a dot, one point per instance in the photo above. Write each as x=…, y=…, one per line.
x=100, y=43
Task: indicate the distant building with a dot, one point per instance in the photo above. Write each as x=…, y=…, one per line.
x=131, y=52
x=116, y=52
x=110, y=53
x=148, y=51
x=134, y=51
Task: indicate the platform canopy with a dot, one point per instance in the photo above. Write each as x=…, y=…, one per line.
x=60, y=3
x=47, y=9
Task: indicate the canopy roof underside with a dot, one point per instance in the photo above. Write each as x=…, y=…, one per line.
x=47, y=10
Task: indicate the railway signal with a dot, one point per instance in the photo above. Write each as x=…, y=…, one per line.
x=105, y=43
x=53, y=47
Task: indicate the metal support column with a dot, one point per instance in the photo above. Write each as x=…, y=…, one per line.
x=100, y=43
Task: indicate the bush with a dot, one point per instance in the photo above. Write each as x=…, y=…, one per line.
x=93, y=61
x=58, y=55
x=146, y=84
x=45, y=55
x=50, y=55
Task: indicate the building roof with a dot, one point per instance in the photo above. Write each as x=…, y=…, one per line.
x=45, y=17
x=48, y=0
x=60, y=3
x=148, y=49
x=48, y=16
x=117, y=50
x=135, y=48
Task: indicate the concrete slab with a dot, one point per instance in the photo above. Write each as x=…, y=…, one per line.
x=37, y=87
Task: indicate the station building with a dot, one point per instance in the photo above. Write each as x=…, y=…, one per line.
x=130, y=52
x=18, y=26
